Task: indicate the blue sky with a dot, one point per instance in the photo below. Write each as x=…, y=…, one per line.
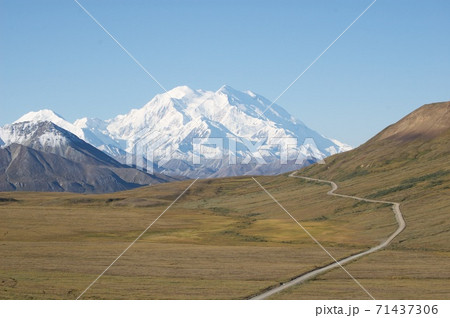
x=392, y=60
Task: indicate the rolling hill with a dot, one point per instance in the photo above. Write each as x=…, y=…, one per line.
x=408, y=162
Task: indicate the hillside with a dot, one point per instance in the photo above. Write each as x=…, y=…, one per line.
x=408, y=162
x=425, y=123
x=407, y=157
x=417, y=140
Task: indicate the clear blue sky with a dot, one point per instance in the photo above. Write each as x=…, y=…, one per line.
x=394, y=59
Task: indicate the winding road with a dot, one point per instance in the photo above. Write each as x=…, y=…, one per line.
x=304, y=277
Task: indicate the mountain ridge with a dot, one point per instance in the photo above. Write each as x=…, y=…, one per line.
x=41, y=156
x=170, y=121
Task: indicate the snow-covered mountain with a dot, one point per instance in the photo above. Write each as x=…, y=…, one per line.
x=92, y=131
x=202, y=133
x=42, y=156
x=48, y=137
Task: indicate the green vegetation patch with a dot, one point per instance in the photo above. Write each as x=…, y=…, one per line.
x=241, y=237
x=114, y=199
x=320, y=218
x=8, y=200
x=383, y=192
x=220, y=210
x=355, y=173
x=411, y=182
x=435, y=175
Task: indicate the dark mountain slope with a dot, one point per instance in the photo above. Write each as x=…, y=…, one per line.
x=50, y=158
x=47, y=137
x=26, y=169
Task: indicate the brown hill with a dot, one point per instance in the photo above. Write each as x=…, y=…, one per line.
x=427, y=122
x=417, y=144
x=408, y=162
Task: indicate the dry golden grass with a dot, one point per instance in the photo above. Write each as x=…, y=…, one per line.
x=225, y=239
x=387, y=275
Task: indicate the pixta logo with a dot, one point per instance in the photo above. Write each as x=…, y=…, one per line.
x=155, y=150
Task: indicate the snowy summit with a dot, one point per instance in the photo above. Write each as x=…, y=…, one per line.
x=169, y=124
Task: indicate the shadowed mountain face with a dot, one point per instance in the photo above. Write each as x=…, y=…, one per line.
x=47, y=137
x=50, y=158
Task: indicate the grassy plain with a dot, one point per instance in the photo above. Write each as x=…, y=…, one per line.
x=225, y=239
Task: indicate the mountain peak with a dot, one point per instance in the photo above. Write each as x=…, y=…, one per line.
x=226, y=89
x=86, y=122
x=171, y=121
x=41, y=115
x=180, y=91
x=50, y=116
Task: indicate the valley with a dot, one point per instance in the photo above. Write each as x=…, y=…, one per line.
x=224, y=239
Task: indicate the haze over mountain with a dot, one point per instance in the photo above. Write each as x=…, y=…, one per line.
x=231, y=126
